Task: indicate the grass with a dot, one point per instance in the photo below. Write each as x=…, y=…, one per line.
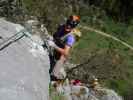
x=93, y=42
x=121, y=86
x=54, y=95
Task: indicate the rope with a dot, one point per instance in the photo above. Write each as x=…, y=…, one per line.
x=108, y=35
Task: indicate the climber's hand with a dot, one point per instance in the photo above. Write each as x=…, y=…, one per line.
x=52, y=44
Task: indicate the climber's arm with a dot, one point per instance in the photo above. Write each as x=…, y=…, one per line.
x=64, y=51
x=69, y=43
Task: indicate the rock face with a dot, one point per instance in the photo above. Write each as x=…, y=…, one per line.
x=24, y=66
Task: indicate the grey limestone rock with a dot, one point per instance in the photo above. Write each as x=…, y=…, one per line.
x=24, y=66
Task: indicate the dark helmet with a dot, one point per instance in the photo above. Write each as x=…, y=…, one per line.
x=73, y=21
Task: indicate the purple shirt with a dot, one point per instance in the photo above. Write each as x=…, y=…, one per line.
x=70, y=40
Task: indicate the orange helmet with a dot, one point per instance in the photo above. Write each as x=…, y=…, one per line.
x=73, y=21
x=74, y=18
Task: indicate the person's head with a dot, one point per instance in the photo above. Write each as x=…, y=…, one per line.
x=68, y=28
x=73, y=21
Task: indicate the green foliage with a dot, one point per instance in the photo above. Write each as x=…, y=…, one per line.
x=94, y=12
x=119, y=10
x=51, y=12
x=117, y=29
x=113, y=61
x=54, y=95
x=121, y=86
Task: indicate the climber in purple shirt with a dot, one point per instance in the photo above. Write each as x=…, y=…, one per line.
x=64, y=38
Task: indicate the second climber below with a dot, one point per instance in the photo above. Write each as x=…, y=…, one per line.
x=63, y=40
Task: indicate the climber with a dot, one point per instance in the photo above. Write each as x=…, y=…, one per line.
x=64, y=38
